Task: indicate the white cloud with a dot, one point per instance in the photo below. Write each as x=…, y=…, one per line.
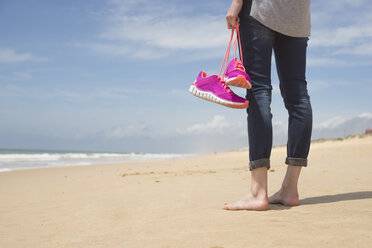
x=332, y=123
x=127, y=131
x=217, y=125
x=365, y=115
x=8, y=55
x=341, y=126
x=341, y=33
x=363, y=49
x=339, y=12
x=65, y=94
x=203, y=32
x=280, y=126
x=152, y=30
x=119, y=49
x=341, y=36
x=334, y=127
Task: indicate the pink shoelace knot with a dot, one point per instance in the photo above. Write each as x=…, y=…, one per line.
x=238, y=65
x=224, y=85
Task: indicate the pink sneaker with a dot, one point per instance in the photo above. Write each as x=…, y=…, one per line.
x=213, y=89
x=236, y=76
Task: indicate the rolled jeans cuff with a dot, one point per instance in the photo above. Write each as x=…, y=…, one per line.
x=296, y=161
x=263, y=162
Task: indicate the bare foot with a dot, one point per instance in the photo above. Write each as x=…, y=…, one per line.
x=248, y=202
x=285, y=197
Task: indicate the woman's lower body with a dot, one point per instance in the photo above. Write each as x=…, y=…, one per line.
x=258, y=42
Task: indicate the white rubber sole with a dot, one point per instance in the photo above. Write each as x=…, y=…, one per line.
x=206, y=95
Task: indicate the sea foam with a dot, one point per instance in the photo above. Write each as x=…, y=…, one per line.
x=26, y=159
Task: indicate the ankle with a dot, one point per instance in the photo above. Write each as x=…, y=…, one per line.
x=259, y=193
x=291, y=178
x=289, y=186
x=259, y=183
x=289, y=189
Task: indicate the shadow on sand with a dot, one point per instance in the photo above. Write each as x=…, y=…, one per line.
x=328, y=199
x=336, y=198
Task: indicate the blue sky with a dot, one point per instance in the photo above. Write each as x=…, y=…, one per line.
x=114, y=75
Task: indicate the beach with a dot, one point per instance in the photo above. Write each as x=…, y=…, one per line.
x=178, y=202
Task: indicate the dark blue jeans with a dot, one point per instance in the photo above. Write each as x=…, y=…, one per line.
x=258, y=42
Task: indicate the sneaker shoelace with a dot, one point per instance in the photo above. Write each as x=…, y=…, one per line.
x=224, y=85
x=227, y=53
x=239, y=66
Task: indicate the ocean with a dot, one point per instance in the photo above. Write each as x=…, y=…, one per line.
x=16, y=159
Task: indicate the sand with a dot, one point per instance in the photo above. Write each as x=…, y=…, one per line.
x=178, y=203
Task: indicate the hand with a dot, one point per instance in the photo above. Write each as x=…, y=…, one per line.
x=232, y=15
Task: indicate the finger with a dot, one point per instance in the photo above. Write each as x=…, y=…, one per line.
x=227, y=23
x=230, y=22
